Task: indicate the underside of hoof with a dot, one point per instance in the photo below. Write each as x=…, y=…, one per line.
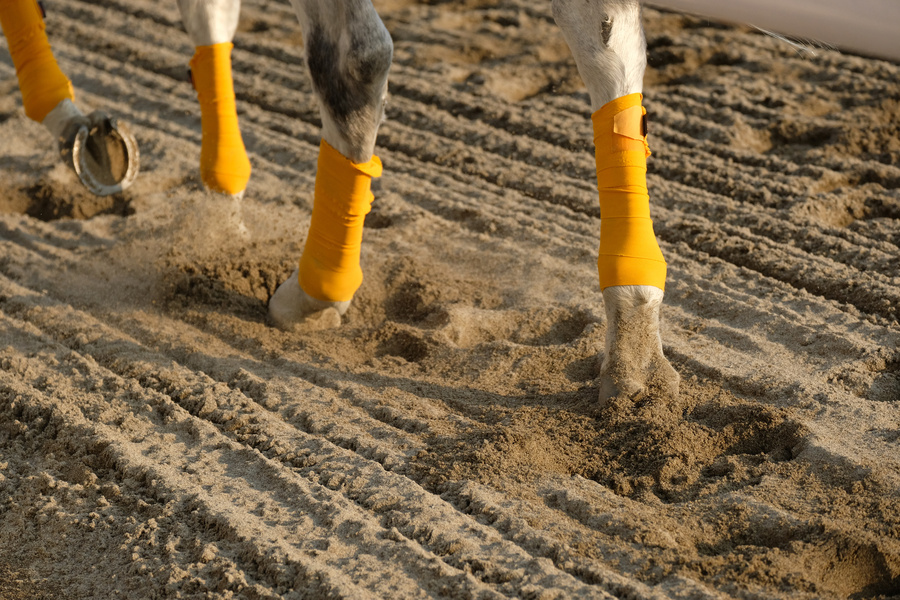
x=104, y=155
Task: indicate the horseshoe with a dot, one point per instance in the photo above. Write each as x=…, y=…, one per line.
x=104, y=154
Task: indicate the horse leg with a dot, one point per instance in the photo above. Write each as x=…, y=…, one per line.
x=211, y=24
x=607, y=40
x=348, y=52
x=103, y=154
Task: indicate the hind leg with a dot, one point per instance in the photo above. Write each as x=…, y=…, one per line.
x=607, y=40
x=348, y=52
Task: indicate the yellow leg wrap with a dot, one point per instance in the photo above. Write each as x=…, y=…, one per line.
x=329, y=267
x=42, y=82
x=629, y=253
x=224, y=166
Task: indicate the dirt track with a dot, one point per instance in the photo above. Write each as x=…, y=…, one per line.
x=158, y=440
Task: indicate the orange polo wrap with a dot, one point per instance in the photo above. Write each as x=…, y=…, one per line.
x=224, y=166
x=42, y=82
x=329, y=267
x=629, y=253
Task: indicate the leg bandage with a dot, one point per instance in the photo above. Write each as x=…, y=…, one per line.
x=42, y=82
x=224, y=166
x=629, y=253
x=329, y=267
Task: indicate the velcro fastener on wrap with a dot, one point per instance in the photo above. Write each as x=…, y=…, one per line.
x=629, y=253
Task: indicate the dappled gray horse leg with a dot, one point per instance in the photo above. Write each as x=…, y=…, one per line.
x=348, y=52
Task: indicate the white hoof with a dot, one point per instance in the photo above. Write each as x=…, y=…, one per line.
x=290, y=307
x=634, y=365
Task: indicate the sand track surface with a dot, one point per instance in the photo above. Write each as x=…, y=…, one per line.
x=159, y=440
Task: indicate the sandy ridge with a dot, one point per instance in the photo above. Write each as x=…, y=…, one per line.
x=159, y=458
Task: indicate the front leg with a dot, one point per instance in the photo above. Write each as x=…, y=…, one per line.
x=348, y=52
x=607, y=41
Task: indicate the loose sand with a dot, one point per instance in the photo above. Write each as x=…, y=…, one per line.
x=159, y=440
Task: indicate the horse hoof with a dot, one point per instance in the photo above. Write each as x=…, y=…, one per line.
x=105, y=155
x=290, y=307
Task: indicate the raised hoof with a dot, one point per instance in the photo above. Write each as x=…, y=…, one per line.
x=104, y=155
x=291, y=308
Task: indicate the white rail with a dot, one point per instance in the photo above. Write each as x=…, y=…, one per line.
x=867, y=26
